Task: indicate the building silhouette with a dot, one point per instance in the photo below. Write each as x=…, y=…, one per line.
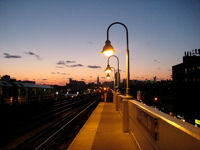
x=186, y=85
x=76, y=86
x=98, y=82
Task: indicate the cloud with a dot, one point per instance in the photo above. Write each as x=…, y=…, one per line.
x=59, y=67
x=44, y=79
x=70, y=61
x=64, y=63
x=156, y=61
x=93, y=67
x=59, y=73
x=61, y=62
x=33, y=54
x=6, y=55
x=90, y=76
x=63, y=73
x=83, y=79
x=76, y=65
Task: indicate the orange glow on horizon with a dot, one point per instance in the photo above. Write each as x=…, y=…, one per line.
x=51, y=79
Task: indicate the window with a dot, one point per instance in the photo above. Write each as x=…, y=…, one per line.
x=185, y=70
x=186, y=80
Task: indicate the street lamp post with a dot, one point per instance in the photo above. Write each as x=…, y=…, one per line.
x=108, y=50
x=108, y=68
x=116, y=91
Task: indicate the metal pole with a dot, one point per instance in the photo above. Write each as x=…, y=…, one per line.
x=114, y=78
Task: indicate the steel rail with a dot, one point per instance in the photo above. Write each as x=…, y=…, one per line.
x=55, y=133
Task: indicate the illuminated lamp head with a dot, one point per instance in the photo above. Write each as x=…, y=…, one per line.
x=108, y=49
x=108, y=76
x=108, y=69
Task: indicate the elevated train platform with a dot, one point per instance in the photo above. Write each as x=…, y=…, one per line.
x=103, y=131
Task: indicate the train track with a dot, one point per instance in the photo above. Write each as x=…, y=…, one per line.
x=47, y=126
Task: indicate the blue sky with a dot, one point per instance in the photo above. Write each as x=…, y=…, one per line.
x=67, y=30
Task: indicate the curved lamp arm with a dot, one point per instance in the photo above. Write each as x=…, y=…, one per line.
x=117, y=61
x=127, y=43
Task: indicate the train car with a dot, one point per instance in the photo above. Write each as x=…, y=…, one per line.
x=22, y=92
x=5, y=92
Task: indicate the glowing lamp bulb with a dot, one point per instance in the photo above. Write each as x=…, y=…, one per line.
x=108, y=76
x=108, y=69
x=108, y=53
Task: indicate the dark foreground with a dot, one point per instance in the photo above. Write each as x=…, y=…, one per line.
x=45, y=125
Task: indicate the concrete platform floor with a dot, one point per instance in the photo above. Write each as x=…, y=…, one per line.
x=103, y=131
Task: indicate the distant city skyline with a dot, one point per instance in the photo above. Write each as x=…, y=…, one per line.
x=52, y=41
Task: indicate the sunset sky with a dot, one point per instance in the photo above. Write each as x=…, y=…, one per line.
x=50, y=41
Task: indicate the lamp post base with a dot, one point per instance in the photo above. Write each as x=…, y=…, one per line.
x=125, y=100
x=117, y=93
x=127, y=96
